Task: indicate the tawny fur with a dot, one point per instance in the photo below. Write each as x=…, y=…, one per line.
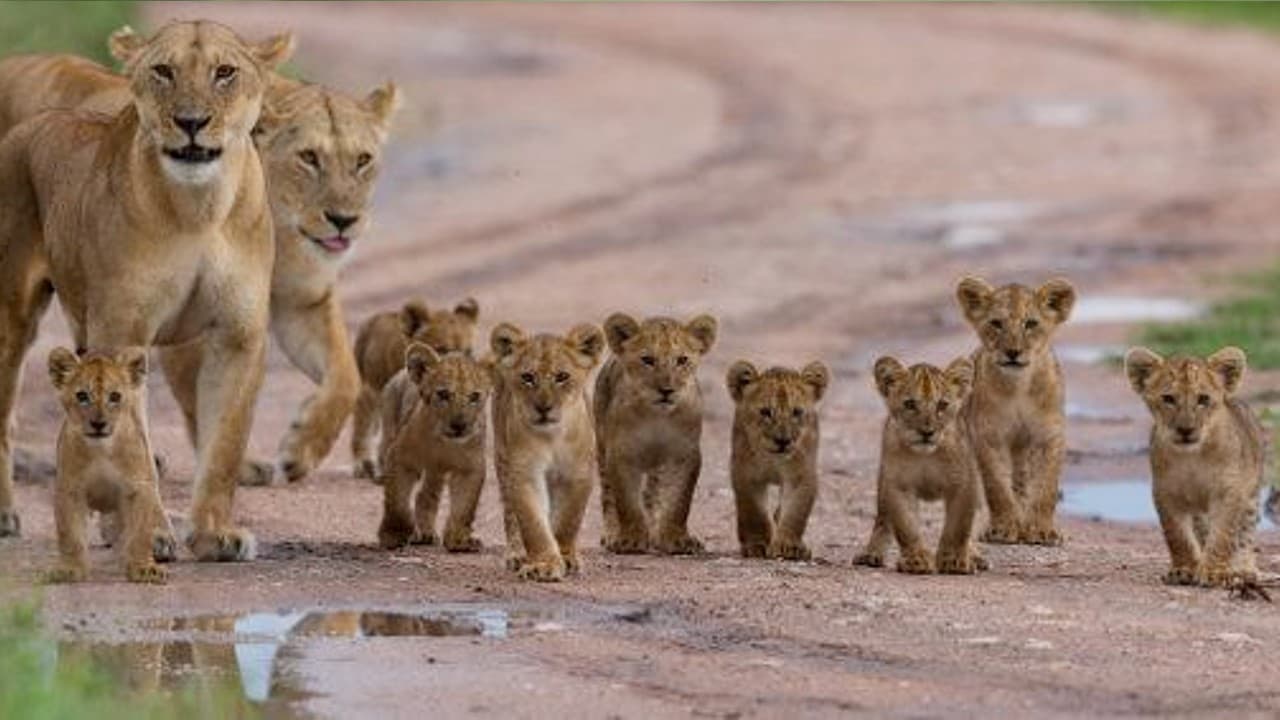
x=1207, y=456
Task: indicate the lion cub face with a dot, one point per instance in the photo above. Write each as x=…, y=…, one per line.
x=197, y=87
x=445, y=331
x=98, y=389
x=453, y=388
x=1015, y=322
x=1186, y=395
x=660, y=355
x=545, y=372
x=321, y=150
x=777, y=408
x=923, y=401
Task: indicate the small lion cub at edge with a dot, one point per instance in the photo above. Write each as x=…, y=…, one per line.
x=775, y=442
x=104, y=461
x=925, y=455
x=1207, y=455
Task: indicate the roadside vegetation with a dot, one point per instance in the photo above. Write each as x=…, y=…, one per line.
x=57, y=26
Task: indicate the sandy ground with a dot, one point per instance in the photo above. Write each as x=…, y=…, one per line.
x=818, y=177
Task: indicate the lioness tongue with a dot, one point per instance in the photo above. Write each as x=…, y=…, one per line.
x=337, y=243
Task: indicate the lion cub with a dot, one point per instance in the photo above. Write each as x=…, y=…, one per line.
x=434, y=433
x=544, y=449
x=648, y=416
x=1015, y=413
x=380, y=347
x=775, y=442
x=925, y=455
x=104, y=462
x=1207, y=451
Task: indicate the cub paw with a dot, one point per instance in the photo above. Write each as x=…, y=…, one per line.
x=958, y=564
x=869, y=559
x=572, y=565
x=755, y=550
x=514, y=562
x=366, y=469
x=164, y=546
x=679, y=545
x=63, y=574
x=1181, y=576
x=789, y=550
x=227, y=545
x=980, y=561
x=10, y=524
x=295, y=470
x=256, y=473
x=462, y=543
x=627, y=544
x=915, y=562
x=1041, y=535
x=1001, y=534
x=546, y=570
x=423, y=538
x=1224, y=576
x=150, y=574
x=392, y=537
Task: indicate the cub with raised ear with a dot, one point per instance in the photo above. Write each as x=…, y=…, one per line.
x=1207, y=456
x=105, y=462
x=380, y=352
x=1015, y=413
x=544, y=444
x=925, y=454
x=433, y=433
x=648, y=419
x=775, y=443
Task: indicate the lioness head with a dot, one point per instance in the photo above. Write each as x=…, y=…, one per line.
x=1015, y=322
x=322, y=152
x=98, y=388
x=1186, y=395
x=778, y=408
x=453, y=387
x=923, y=401
x=197, y=88
x=545, y=372
x=444, y=331
x=661, y=355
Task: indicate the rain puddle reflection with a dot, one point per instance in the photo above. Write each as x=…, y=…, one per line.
x=1127, y=501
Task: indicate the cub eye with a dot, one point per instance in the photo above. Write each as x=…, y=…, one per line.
x=113, y=398
x=1168, y=400
x=1203, y=400
x=909, y=405
x=528, y=379
x=82, y=397
x=996, y=324
x=562, y=377
x=164, y=72
x=1031, y=324
x=474, y=398
x=943, y=405
x=310, y=158
x=362, y=160
x=443, y=394
x=649, y=360
x=223, y=73
x=766, y=413
x=682, y=360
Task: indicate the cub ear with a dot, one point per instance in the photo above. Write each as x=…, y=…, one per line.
x=1056, y=298
x=274, y=51
x=62, y=363
x=1140, y=364
x=413, y=316
x=741, y=374
x=505, y=340
x=468, y=308
x=619, y=328
x=588, y=342
x=1228, y=364
x=382, y=104
x=974, y=295
x=818, y=377
x=703, y=329
x=418, y=358
x=888, y=372
x=960, y=374
x=135, y=359
x=124, y=44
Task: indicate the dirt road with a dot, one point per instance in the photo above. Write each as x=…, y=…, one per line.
x=818, y=177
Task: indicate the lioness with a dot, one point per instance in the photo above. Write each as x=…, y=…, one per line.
x=1015, y=411
x=648, y=421
x=925, y=454
x=433, y=415
x=380, y=352
x=1207, y=451
x=104, y=461
x=153, y=226
x=775, y=442
x=544, y=445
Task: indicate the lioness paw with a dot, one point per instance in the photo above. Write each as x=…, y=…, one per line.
x=150, y=573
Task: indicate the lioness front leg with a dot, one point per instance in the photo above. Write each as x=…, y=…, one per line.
x=315, y=340
x=996, y=467
x=623, y=486
x=671, y=526
x=1043, y=466
x=795, y=505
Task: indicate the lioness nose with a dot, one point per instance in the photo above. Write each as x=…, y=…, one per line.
x=191, y=124
x=342, y=222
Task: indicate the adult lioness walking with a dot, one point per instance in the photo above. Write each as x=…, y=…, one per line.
x=153, y=226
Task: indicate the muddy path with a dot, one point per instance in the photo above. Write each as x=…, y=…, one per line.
x=818, y=177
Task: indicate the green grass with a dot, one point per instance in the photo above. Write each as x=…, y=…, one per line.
x=1250, y=320
x=74, y=27
x=1265, y=15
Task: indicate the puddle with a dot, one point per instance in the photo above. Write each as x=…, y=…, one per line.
x=1113, y=309
x=1061, y=113
x=1088, y=354
x=1087, y=413
x=1126, y=501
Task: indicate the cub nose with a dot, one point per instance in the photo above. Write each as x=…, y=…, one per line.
x=666, y=393
x=191, y=124
x=1186, y=433
x=457, y=427
x=98, y=426
x=783, y=444
x=341, y=222
x=542, y=409
x=1012, y=354
x=926, y=435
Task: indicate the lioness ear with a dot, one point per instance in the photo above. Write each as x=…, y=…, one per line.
x=818, y=377
x=974, y=295
x=382, y=104
x=1140, y=364
x=418, y=358
x=62, y=362
x=1228, y=363
x=505, y=340
x=124, y=44
x=413, y=316
x=703, y=329
x=588, y=342
x=274, y=51
x=741, y=374
x=135, y=359
x=468, y=308
x=1056, y=298
x=888, y=372
x=619, y=328
x=960, y=374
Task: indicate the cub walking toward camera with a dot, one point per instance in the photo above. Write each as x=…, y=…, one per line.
x=1015, y=413
x=544, y=445
x=1207, y=451
x=648, y=416
x=775, y=442
x=433, y=433
x=104, y=462
x=925, y=455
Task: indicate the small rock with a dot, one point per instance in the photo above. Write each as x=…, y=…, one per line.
x=1036, y=644
x=1236, y=638
x=982, y=640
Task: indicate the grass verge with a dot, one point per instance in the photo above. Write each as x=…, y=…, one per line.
x=57, y=26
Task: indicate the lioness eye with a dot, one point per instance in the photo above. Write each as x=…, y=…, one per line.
x=997, y=324
x=528, y=379
x=682, y=360
x=943, y=405
x=909, y=405
x=1203, y=400
x=562, y=377
x=113, y=397
x=1031, y=324
x=649, y=360
x=164, y=72
x=82, y=397
x=1169, y=400
x=310, y=158
x=363, y=159
x=444, y=394
x=766, y=413
x=474, y=398
x=222, y=73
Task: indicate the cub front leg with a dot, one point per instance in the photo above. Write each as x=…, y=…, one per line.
x=464, y=498
x=623, y=485
x=671, y=528
x=913, y=556
x=1184, y=551
x=795, y=505
x=995, y=463
x=425, y=508
x=955, y=551
x=142, y=515
x=398, y=481
x=1228, y=556
x=70, y=513
x=542, y=560
x=755, y=527
x=1042, y=464
x=364, y=425
x=568, y=507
